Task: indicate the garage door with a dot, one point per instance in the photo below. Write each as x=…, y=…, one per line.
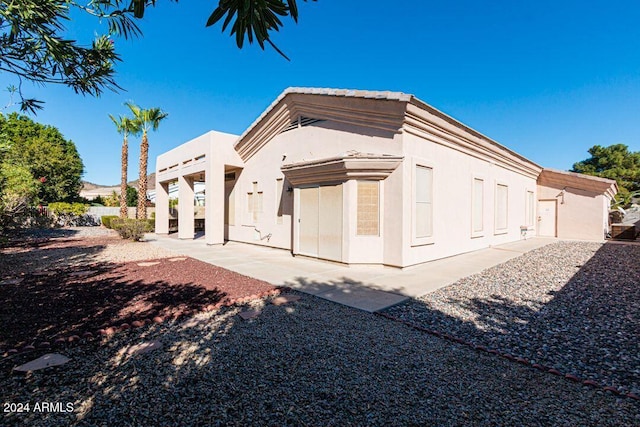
x=320, y=222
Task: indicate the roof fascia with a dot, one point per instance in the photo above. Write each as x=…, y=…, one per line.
x=429, y=123
x=381, y=114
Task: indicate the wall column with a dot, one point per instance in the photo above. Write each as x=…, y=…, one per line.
x=162, y=208
x=186, y=209
x=214, y=204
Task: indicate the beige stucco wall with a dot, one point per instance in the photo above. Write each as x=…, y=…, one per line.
x=317, y=141
x=208, y=154
x=581, y=214
x=453, y=178
x=455, y=153
x=453, y=174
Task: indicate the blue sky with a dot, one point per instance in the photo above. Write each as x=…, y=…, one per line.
x=546, y=79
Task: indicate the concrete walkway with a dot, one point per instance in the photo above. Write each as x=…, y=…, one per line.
x=369, y=288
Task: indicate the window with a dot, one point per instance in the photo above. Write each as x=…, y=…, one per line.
x=254, y=203
x=230, y=198
x=257, y=206
x=368, y=208
x=279, y=188
x=502, y=203
x=423, y=218
x=477, y=207
x=530, y=208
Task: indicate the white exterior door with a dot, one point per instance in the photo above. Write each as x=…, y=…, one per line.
x=547, y=218
x=320, y=222
x=309, y=219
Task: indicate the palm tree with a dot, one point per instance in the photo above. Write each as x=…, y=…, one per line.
x=146, y=120
x=125, y=126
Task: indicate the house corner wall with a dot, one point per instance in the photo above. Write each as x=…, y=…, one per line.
x=581, y=214
x=453, y=172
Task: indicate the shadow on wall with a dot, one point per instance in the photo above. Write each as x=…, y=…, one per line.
x=586, y=324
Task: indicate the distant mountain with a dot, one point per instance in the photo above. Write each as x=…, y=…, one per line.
x=151, y=184
x=86, y=185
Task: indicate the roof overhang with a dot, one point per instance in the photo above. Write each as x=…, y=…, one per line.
x=341, y=168
x=563, y=179
x=393, y=112
x=381, y=110
x=429, y=123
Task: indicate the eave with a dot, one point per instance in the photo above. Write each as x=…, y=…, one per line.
x=341, y=168
x=564, y=179
x=377, y=110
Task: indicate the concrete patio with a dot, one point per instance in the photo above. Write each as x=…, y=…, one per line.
x=369, y=288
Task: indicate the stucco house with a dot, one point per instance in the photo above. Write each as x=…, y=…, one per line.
x=573, y=205
x=363, y=177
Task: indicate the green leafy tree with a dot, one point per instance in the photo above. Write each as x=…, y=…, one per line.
x=34, y=46
x=254, y=20
x=614, y=162
x=125, y=126
x=50, y=158
x=17, y=192
x=132, y=197
x=146, y=120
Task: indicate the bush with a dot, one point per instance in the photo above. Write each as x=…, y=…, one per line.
x=129, y=228
x=106, y=220
x=61, y=208
x=151, y=225
x=71, y=214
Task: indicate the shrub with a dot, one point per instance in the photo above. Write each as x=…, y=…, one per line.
x=61, y=208
x=71, y=214
x=151, y=225
x=106, y=220
x=130, y=228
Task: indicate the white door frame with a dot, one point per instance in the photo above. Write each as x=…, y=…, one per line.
x=320, y=252
x=555, y=219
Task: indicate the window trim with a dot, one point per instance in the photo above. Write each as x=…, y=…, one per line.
x=427, y=240
x=530, y=208
x=496, y=230
x=252, y=196
x=379, y=219
x=279, y=191
x=481, y=232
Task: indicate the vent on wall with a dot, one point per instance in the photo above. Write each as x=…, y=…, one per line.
x=300, y=122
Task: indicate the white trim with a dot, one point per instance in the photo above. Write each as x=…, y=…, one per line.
x=377, y=182
x=497, y=230
x=479, y=233
x=530, y=208
x=427, y=240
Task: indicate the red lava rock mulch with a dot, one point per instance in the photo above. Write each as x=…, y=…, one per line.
x=68, y=301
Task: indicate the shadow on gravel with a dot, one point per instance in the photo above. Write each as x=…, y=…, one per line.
x=77, y=300
x=34, y=237
x=310, y=363
x=588, y=325
x=56, y=289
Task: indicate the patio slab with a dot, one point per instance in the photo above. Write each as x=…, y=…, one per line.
x=369, y=288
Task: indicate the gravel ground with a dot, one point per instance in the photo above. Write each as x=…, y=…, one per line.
x=572, y=306
x=74, y=246
x=54, y=284
x=310, y=362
